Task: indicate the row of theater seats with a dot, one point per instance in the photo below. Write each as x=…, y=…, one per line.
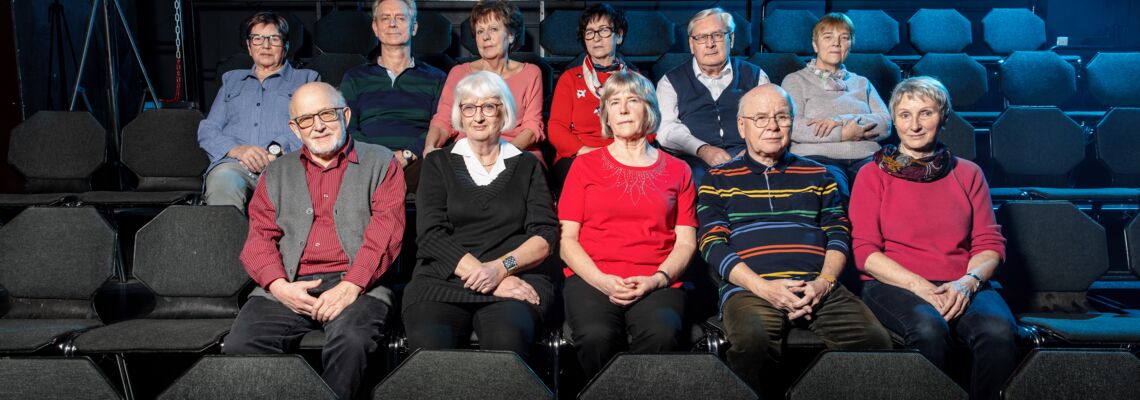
x=1045, y=374
x=66, y=288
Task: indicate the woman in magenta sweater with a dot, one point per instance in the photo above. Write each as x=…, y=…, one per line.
x=628, y=216
x=925, y=238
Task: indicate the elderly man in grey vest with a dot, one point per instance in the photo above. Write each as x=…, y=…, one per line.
x=699, y=98
x=325, y=223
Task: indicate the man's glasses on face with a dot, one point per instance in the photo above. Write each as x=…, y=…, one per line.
x=327, y=115
x=259, y=40
x=761, y=121
x=715, y=36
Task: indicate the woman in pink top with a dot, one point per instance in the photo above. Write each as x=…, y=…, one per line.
x=628, y=216
x=497, y=26
x=925, y=237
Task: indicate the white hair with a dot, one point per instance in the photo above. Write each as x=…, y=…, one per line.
x=480, y=85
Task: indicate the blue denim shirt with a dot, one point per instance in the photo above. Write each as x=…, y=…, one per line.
x=252, y=112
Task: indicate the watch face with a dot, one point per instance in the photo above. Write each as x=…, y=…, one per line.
x=274, y=149
x=408, y=155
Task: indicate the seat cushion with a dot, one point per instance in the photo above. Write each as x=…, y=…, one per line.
x=29, y=335
x=136, y=198
x=35, y=199
x=1088, y=328
x=155, y=335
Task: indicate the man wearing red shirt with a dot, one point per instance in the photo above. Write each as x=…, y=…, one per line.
x=317, y=254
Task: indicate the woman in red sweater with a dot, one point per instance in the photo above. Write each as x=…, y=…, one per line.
x=628, y=216
x=925, y=237
x=573, y=128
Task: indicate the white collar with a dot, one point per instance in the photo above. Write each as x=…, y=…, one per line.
x=475, y=168
x=506, y=150
x=727, y=70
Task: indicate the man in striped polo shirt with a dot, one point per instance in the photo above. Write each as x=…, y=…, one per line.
x=394, y=97
x=773, y=229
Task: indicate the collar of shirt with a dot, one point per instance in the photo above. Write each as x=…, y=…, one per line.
x=392, y=74
x=346, y=152
x=479, y=174
x=725, y=73
x=781, y=165
x=286, y=72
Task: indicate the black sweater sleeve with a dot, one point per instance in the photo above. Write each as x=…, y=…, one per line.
x=540, y=218
x=433, y=229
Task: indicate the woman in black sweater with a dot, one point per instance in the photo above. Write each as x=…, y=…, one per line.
x=484, y=220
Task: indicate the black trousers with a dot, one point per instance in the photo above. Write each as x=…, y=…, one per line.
x=264, y=326
x=987, y=327
x=509, y=325
x=601, y=329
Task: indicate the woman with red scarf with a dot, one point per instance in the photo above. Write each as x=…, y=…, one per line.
x=574, y=128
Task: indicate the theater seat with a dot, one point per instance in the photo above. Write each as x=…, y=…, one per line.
x=883, y=73
x=52, y=260
x=56, y=152
x=332, y=66
x=939, y=31
x=1006, y=30
x=789, y=31
x=188, y=257
x=1054, y=252
x=777, y=65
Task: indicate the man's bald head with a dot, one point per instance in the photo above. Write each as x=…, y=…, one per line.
x=313, y=97
x=766, y=93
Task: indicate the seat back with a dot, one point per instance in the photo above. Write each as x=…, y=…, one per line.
x=558, y=33
x=54, y=378
x=676, y=376
x=1073, y=374
x=883, y=73
x=58, y=151
x=433, y=35
x=1054, y=252
x=789, y=31
x=249, y=377
x=346, y=32
x=188, y=256
x=1037, y=78
x=939, y=31
x=435, y=374
x=1110, y=79
x=874, y=375
x=1132, y=243
x=1036, y=146
x=876, y=32
x=963, y=76
x=777, y=65
x=1006, y=30
x=161, y=147
x=53, y=259
x=958, y=135
x=1117, y=146
x=332, y=66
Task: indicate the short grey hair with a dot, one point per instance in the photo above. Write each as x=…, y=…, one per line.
x=480, y=85
x=923, y=87
x=632, y=82
x=724, y=16
x=410, y=3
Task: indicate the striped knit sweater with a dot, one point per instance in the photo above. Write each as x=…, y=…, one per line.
x=778, y=220
x=394, y=115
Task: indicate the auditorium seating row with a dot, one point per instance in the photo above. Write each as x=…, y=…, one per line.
x=66, y=289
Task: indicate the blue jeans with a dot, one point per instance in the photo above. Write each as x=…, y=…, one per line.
x=987, y=327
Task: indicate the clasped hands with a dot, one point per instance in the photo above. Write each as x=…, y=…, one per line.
x=951, y=298
x=626, y=291
x=796, y=297
x=851, y=131
x=491, y=278
x=323, y=308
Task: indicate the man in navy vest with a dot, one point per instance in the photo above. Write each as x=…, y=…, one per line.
x=325, y=223
x=699, y=98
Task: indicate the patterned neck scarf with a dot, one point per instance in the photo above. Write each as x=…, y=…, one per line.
x=590, y=73
x=926, y=169
x=834, y=81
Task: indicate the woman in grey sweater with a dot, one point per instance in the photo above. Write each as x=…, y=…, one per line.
x=840, y=118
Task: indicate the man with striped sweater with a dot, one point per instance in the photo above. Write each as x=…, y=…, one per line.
x=774, y=230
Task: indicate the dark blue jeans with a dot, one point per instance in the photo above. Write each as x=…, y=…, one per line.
x=987, y=328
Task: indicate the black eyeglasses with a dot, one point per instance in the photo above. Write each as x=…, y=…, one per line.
x=604, y=33
x=715, y=36
x=761, y=121
x=327, y=115
x=488, y=110
x=274, y=40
